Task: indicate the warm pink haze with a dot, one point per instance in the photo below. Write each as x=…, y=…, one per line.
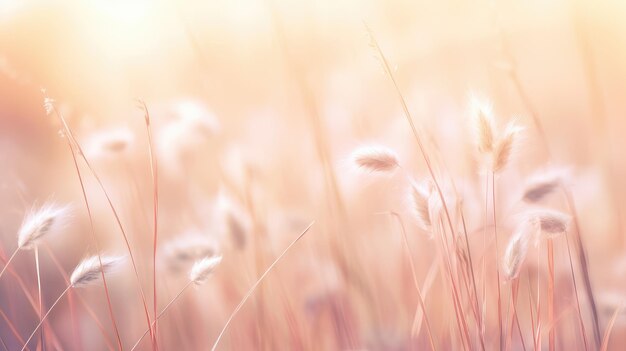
x=312, y=175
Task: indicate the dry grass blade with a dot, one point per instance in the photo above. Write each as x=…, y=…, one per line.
x=155, y=211
x=76, y=149
x=462, y=329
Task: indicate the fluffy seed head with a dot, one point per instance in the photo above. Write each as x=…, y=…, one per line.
x=203, y=268
x=553, y=223
x=375, y=159
x=40, y=222
x=48, y=104
x=182, y=251
x=542, y=184
x=516, y=251
x=189, y=131
x=110, y=142
x=197, y=117
x=436, y=206
x=483, y=125
x=420, y=196
x=88, y=271
x=234, y=221
x=236, y=230
x=538, y=191
x=547, y=224
x=504, y=147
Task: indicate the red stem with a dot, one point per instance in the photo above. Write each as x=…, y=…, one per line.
x=551, y=335
x=495, y=234
x=95, y=240
x=155, y=210
x=115, y=214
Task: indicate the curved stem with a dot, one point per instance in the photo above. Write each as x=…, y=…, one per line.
x=575, y=286
x=94, y=238
x=45, y=316
x=180, y=293
x=495, y=234
x=9, y=261
x=426, y=158
x=43, y=346
x=85, y=305
x=255, y=285
x=73, y=140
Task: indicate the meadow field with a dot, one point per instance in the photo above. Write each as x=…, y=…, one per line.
x=312, y=175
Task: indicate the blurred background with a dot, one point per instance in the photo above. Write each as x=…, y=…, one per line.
x=256, y=106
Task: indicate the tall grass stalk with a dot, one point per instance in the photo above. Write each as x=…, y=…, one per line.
x=74, y=143
x=426, y=158
x=44, y=317
x=155, y=213
x=582, y=256
x=42, y=339
x=495, y=235
x=169, y=304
